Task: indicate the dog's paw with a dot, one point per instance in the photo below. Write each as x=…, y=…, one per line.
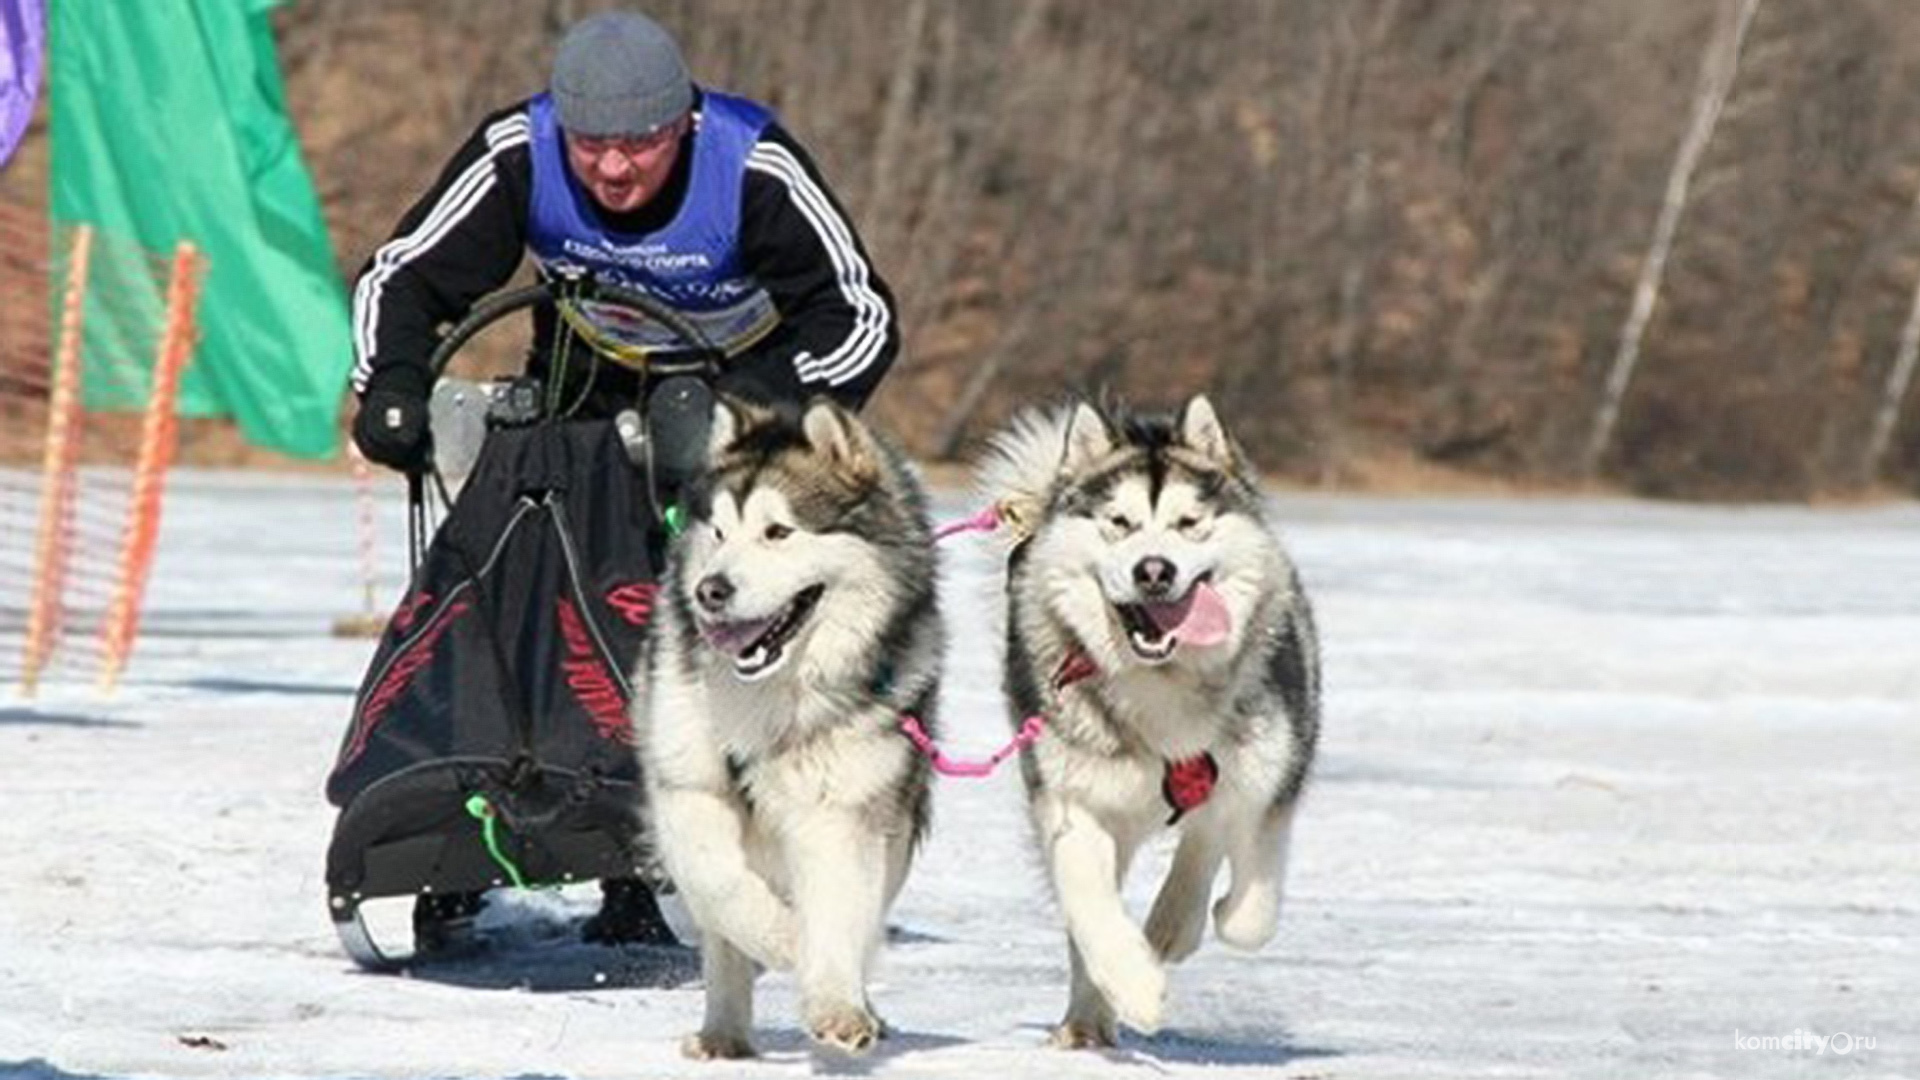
x=848, y=1028
x=1140, y=1007
x=1082, y=1035
x=712, y=1046
x=1247, y=920
x=1137, y=990
x=1175, y=934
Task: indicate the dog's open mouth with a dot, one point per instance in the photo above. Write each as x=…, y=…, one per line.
x=756, y=645
x=1156, y=627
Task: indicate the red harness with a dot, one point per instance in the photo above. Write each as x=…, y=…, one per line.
x=1188, y=783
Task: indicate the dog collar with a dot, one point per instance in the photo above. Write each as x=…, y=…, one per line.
x=1188, y=783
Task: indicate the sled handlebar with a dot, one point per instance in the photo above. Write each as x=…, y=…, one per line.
x=702, y=357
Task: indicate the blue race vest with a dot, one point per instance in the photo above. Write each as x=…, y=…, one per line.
x=692, y=264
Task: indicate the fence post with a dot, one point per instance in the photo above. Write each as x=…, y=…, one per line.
x=58, y=470
x=157, y=434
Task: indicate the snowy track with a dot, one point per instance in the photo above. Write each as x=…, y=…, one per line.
x=1606, y=790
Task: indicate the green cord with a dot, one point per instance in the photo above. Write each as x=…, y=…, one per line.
x=676, y=519
x=481, y=810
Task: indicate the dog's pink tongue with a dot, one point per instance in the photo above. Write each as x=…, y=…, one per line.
x=733, y=638
x=1199, y=618
x=1207, y=621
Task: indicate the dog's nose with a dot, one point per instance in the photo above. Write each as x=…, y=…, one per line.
x=1154, y=576
x=714, y=591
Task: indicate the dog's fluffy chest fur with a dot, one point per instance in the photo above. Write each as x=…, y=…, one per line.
x=1112, y=748
x=792, y=746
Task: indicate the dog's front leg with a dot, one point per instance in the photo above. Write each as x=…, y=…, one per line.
x=727, y=1029
x=839, y=871
x=702, y=839
x=1089, y=1020
x=1179, y=917
x=1086, y=861
x=1248, y=915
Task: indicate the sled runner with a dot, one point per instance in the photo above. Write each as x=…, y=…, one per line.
x=489, y=743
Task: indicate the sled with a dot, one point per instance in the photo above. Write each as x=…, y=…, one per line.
x=489, y=744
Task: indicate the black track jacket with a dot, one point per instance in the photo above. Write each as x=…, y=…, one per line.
x=466, y=237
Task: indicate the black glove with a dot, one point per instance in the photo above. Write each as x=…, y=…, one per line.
x=392, y=427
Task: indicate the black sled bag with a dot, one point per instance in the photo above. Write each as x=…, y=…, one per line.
x=500, y=688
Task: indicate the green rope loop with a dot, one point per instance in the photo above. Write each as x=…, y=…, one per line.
x=482, y=811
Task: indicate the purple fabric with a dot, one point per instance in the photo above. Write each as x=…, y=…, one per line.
x=23, y=35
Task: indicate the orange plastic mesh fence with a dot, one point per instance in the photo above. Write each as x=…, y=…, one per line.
x=85, y=318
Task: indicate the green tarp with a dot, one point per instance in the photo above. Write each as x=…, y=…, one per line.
x=169, y=124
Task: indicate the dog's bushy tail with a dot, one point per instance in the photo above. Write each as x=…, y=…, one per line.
x=1021, y=466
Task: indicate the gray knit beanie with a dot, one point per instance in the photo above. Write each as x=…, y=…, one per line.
x=618, y=73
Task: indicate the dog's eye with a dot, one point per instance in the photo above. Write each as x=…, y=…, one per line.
x=1121, y=522
x=1187, y=522
x=778, y=532
x=719, y=535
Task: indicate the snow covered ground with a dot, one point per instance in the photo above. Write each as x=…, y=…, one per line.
x=1607, y=790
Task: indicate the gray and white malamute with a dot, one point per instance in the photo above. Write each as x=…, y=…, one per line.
x=799, y=622
x=1155, y=622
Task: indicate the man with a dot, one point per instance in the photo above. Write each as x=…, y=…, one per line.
x=627, y=173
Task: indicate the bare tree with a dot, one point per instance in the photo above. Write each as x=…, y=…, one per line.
x=1899, y=379
x=884, y=197
x=1718, y=68
x=1357, y=232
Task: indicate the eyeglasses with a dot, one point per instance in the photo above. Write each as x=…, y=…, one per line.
x=627, y=145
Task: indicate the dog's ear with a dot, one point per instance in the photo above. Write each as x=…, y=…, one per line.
x=840, y=436
x=1089, y=438
x=1202, y=431
x=735, y=418
x=726, y=427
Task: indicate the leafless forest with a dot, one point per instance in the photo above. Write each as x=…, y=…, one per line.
x=1669, y=245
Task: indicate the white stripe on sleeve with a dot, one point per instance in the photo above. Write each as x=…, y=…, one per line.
x=863, y=344
x=461, y=196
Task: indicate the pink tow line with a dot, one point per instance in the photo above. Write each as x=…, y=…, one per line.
x=947, y=766
x=985, y=521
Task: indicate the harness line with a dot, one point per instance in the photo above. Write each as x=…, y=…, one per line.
x=1076, y=667
x=985, y=521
